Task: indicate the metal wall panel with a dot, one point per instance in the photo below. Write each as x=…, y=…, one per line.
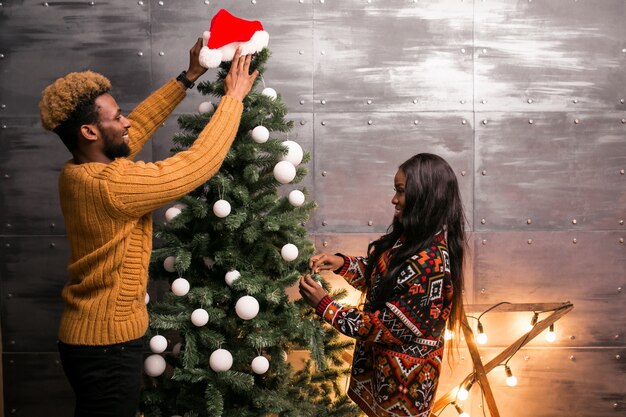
x=549, y=55
x=547, y=171
x=357, y=155
x=393, y=56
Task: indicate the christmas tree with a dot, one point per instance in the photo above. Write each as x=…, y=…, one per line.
x=221, y=333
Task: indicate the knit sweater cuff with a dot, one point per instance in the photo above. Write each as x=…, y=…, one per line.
x=322, y=305
x=230, y=104
x=346, y=264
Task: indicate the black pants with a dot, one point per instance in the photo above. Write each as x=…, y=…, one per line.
x=105, y=379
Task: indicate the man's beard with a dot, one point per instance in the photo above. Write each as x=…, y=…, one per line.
x=112, y=150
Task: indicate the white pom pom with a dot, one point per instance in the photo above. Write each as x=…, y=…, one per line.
x=247, y=307
x=231, y=277
x=260, y=134
x=296, y=198
x=294, y=153
x=270, y=92
x=289, y=252
x=210, y=58
x=208, y=262
x=154, y=365
x=146, y=299
x=206, y=107
x=168, y=264
x=180, y=286
x=199, y=317
x=221, y=360
x=260, y=365
x=158, y=344
x=284, y=172
x=221, y=208
x=171, y=213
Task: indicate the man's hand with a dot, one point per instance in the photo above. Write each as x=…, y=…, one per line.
x=311, y=291
x=238, y=81
x=195, y=70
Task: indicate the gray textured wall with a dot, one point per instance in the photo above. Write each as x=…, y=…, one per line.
x=525, y=99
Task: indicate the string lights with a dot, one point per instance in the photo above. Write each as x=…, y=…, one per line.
x=511, y=380
x=460, y=411
x=481, y=338
x=551, y=336
x=463, y=393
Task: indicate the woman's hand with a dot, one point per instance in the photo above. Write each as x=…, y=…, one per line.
x=325, y=261
x=311, y=290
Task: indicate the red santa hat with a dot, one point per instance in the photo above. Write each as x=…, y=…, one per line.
x=226, y=34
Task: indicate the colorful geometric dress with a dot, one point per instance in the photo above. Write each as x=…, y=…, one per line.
x=398, y=351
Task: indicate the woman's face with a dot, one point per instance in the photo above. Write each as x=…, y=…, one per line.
x=398, y=197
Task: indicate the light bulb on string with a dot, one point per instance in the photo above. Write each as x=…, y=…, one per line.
x=460, y=411
x=533, y=322
x=551, y=336
x=511, y=380
x=481, y=339
x=463, y=393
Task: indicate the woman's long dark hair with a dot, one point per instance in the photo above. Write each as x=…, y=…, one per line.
x=432, y=205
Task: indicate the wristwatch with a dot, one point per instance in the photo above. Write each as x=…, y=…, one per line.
x=182, y=77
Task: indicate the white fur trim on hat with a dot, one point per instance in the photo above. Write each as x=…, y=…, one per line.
x=211, y=58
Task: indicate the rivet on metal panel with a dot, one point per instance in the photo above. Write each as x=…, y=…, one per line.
x=13, y=410
x=370, y=122
x=463, y=173
x=325, y=243
x=624, y=51
x=253, y=1
x=483, y=172
x=482, y=290
x=323, y=123
x=621, y=100
x=323, y=52
x=574, y=221
x=7, y=245
x=3, y=106
x=369, y=101
x=526, y=357
x=618, y=357
x=621, y=222
x=530, y=101
x=621, y=171
x=463, y=122
x=530, y=241
x=462, y=101
x=572, y=337
x=8, y=225
x=324, y=173
x=207, y=2
x=322, y=102
x=575, y=101
x=485, y=122
x=301, y=102
x=140, y=3
x=322, y=1
x=414, y=101
x=52, y=225
x=161, y=53
x=462, y=358
x=483, y=101
x=45, y=4
x=621, y=240
x=301, y=1
x=623, y=121
x=483, y=221
x=161, y=3
x=574, y=241
x=616, y=337
x=140, y=53
x=370, y=223
x=4, y=126
x=576, y=121
x=1, y=56
x=302, y=122
x=484, y=51
x=301, y=52
x=619, y=289
x=529, y=221
x=416, y=122
x=7, y=176
x=92, y=3
x=484, y=242
x=9, y=295
x=530, y=121
x=12, y=342
x=572, y=358
x=324, y=223
x=462, y=50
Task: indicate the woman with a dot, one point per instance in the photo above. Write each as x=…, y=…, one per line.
x=413, y=278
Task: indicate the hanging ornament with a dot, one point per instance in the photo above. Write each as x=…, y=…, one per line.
x=146, y=299
x=206, y=107
x=158, y=344
x=260, y=365
x=180, y=206
x=294, y=153
x=296, y=198
x=221, y=360
x=269, y=92
x=221, y=208
x=180, y=286
x=154, y=365
x=171, y=213
x=208, y=262
x=176, y=349
x=289, y=252
x=284, y=172
x=231, y=277
x=199, y=317
x=168, y=264
x=247, y=307
x=260, y=134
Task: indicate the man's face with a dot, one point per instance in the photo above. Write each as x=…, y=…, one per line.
x=113, y=127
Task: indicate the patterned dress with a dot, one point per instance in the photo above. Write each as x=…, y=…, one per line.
x=397, y=357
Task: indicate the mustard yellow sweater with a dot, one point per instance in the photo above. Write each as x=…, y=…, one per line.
x=107, y=211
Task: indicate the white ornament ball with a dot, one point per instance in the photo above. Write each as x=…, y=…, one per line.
x=247, y=307
x=168, y=264
x=180, y=286
x=221, y=360
x=158, y=344
x=294, y=153
x=221, y=208
x=180, y=206
x=206, y=107
x=231, y=277
x=269, y=92
x=154, y=365
x=289, y=252
x=199, y=317
x=146, y=299
x=260, y=365
x=171, y=213
x=208, y=262
x=296, y=198
x=176, y=349
x=260, y=134
x=284, y=172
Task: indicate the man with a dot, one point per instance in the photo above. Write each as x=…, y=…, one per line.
x=107, y=200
